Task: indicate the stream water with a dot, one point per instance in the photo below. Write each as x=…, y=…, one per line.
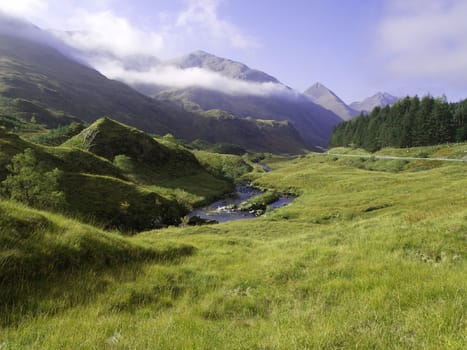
x=224, y=209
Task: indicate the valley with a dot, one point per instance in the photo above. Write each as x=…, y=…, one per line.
x=197, y=203
x=326, y=271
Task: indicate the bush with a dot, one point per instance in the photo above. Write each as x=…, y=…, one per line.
x=31, y=183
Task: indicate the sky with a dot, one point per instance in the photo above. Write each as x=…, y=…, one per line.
x=354, y=47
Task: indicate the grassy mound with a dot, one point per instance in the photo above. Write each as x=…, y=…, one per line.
x=108, y=138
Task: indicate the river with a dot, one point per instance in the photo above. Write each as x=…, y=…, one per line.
x=225, y=210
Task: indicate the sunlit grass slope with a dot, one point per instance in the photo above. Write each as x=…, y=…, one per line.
x=453, y=150
x=361, y=259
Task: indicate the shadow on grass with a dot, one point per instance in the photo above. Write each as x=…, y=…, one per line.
x=73, y=281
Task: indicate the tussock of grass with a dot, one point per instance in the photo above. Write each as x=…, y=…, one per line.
x=259, y=202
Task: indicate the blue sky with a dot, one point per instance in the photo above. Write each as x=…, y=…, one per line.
x=354, y=47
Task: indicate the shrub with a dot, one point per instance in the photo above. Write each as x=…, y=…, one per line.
x=31, y=183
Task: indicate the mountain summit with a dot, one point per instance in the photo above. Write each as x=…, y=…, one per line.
x=381, y=99
x=320, y=94
x=223, y=66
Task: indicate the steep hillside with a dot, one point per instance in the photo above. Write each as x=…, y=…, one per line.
x=40, y=74
x=135, y=152
x=109, y=138
x=37, y=81
x=324, y=97
x=314, y=123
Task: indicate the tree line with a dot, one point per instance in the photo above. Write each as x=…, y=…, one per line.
x=410, y=122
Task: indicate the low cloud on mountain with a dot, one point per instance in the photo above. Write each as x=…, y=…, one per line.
x=172, y=76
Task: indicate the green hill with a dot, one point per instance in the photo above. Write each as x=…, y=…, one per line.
x=164, y=167
x=108, y=138
x=141, y=184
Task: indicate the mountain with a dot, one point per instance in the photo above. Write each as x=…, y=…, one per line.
x=324, y=97
x=381, y=99
x=262, y=97
x=45, y=77
x=224, y=66
x=313, y=122
x=39, y=82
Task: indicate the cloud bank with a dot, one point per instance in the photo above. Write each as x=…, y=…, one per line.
x=171, y=76
x=426, y=39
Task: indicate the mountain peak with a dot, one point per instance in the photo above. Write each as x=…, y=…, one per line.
x=223, y=66
x=317, y=90
x=320, y=94
x=201, y=53
x=380, y=99
x=318, y=85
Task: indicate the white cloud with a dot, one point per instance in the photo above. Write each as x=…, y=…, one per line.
x=95, y=25
x=202, y=18
x=105, y=31
x=180, y=78
x=426, y=39
x=23, y=8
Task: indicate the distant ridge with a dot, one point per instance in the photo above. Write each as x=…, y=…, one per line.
x=381, y=99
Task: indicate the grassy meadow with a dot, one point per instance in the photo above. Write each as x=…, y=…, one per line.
x=363, y=258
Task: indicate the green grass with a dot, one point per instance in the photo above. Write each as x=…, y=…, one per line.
x=454, y=150
x=451, y=150
x=361, y=259
x=40, y=251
